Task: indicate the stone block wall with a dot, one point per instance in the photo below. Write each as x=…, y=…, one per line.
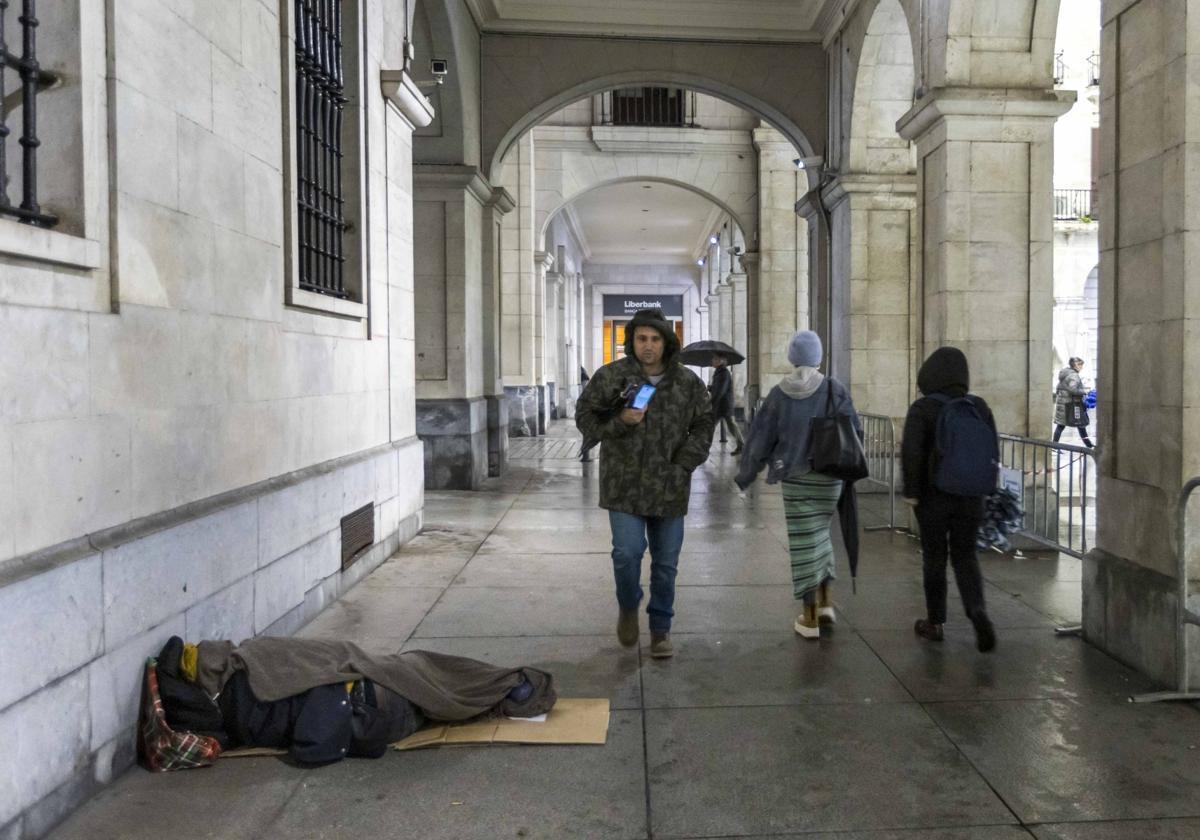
x=261, y=560
x=177, y=441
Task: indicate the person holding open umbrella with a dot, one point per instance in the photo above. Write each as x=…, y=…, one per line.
x=720, y=356
x=720, y=391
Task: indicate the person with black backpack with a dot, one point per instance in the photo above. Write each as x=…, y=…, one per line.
x=950, y=460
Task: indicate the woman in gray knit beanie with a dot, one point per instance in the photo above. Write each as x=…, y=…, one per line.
x=778, y=439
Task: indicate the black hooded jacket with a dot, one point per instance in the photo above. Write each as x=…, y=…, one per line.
x=944, y=372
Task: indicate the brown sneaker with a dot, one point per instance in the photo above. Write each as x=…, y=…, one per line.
x=627, y=627
x=926, y=629
x=660, y=646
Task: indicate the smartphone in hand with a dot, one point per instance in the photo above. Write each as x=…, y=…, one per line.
x=641, y=397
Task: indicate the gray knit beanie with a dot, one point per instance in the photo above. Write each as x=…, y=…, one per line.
x=805, y=349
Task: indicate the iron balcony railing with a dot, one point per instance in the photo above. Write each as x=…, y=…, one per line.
x=1071, y=205
x=320, y=103
x=33, y=80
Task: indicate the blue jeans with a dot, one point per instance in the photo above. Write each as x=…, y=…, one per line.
x=629, y=536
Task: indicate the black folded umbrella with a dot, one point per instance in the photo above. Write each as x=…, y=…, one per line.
x=847, y=508
x=700, y=353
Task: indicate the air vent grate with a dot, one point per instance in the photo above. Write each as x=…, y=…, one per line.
x=358, y=533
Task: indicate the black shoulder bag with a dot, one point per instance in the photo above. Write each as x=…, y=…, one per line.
x=834, y=448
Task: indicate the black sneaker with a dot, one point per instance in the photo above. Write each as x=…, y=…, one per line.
x=985, y=633
x=929, y=631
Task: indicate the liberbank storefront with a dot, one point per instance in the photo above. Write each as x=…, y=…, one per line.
x=620, y=309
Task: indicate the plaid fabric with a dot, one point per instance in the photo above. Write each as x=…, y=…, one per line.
x=160, y=748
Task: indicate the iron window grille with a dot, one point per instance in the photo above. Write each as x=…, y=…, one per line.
x=647, y=106
x=32, y=81
x=320, y=111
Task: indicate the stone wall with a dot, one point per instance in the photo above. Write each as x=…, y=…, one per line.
x=181, y=429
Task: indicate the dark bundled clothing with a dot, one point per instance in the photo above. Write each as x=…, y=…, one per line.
x=720, y=391
x=326, y=723
x=944, y=372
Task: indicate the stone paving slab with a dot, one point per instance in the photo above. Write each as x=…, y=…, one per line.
x=236, y=799
x=1185, y=829
x=769, y=669
x=890, y=604
x=1063, y=761
x=1026, y=665
x=479, y=793
x=808, y=768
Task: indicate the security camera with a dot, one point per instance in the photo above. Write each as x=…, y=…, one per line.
x=440, y=68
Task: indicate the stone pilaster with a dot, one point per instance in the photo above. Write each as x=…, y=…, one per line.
x=1148, y=413
x=783, y=270
x=985, y=190
x=747, y=327
x=450, y=319
x=874, y=225
x=498, y=204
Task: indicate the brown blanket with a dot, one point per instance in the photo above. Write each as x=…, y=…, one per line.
x=446, y=688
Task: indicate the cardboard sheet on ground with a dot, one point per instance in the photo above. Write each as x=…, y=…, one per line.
x=571, y=721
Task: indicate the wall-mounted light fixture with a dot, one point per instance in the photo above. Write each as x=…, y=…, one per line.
x=700, y=262
x=714, y=239
x=809, y=162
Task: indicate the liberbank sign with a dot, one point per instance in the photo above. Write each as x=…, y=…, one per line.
x=626, y=306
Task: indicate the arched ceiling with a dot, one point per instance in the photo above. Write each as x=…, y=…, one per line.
x=771, y=20
x=636, y=222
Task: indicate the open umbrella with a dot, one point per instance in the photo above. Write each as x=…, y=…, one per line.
x=700, y=353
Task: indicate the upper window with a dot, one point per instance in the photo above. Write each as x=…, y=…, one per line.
x=21, y=80
x=320, y=113
x=326, y=207
x=649, y=106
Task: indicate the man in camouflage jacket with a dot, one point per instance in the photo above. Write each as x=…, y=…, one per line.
x=646, y=463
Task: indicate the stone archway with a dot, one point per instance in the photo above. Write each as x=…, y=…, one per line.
x=527, y=78
x=740, y=207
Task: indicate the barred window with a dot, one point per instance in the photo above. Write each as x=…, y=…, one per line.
x=21, y=79
x=320, y=112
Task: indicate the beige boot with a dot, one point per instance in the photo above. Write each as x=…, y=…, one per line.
x=825, y=612
x=807, y=624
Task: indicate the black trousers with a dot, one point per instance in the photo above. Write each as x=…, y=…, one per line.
x=948, y=528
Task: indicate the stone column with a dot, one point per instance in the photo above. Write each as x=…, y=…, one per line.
x=1149, y=391
x=874, y=226
x=741, y=319
x=498, y=204
x=747, y=328
x=819, y=293
x=782, y=277
x=725, y=296
x=451, y=412
x=522, y=314
x=985, y=192
x=553, y=349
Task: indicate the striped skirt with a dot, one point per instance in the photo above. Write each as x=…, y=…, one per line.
x=809, y=503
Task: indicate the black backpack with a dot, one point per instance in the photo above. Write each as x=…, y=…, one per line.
x=968, y=453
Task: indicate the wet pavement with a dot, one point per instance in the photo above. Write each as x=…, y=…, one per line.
x=750, y=731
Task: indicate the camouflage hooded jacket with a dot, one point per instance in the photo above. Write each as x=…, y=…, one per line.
x=646, y=469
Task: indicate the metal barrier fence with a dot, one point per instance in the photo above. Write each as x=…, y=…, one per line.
x=879, y=441
x=1184, y=614
x=1054, y=482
